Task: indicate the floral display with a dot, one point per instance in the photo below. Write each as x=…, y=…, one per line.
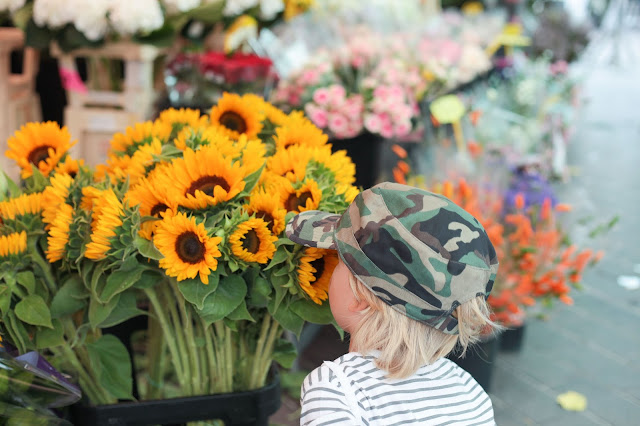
x=184, y=224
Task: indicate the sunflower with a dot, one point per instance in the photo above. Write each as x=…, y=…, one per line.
x=298, y=130
x=291, y=163
x=40, y=144
x=348, y=191
x=106, y=218
x=293, y=8
x=187, y=249
x=341, y=165
x=268, y=208
x=253, y=242
x=54, y=195
x=153, y=201
x=314, y=272
x=201, y=178
x=140, y=134
x=59, y=233
x=13, y=244
x=236, y=117
x=183, y=117
x=69, y=166
x=307, y=197
x=89, y=195
x=271, y=113
x=21, y=205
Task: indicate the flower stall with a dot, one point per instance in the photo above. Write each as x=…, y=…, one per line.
x=180, y=227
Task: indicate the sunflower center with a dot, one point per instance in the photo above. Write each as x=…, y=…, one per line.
x=318, y=265
x=233, y=121
x=158, y=208
x=267, y=218
x=207, y=184
x=189, y=248
x=251, y=242
x=294, y=203
x=39, y=154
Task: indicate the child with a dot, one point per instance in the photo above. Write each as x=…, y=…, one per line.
x=414, y=274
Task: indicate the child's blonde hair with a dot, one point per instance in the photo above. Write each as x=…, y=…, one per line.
x=405, y=344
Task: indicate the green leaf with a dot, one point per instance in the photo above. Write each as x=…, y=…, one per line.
x=98, y=278
x=70, y=298
x=241, y=313
x=34, y=310
x=208, y=13
x=287, y=319
x=252, y=179
x=284, y=353
x=149, y=278
x=119, y=281
x=38, y=37
x=281, y=255
x=279, y=283
x=18, y=333
x=126, y=308
x=109, y=357
x=27, y=280
x=50, y=338
x=312, y=312
x=98, y=312
x=70, y=38
x=195, y=292
x=162, y=37
x=147, y=248
x=5, y=299
x=231, y=292
x=259, y=293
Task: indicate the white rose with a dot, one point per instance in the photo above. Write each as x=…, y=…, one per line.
x=237, y=7
x=11, y=5
x=181, y=5
x=269, y=9
x=129, y=17
x=91, y=17
x=52, y=13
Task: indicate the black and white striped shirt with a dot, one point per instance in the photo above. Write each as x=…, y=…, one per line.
x=438, y=394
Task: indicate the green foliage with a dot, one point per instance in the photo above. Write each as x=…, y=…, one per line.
x=111, y=361
x=34, y=310
x=229, y=295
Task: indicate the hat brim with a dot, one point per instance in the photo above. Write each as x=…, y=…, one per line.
x=314, y=228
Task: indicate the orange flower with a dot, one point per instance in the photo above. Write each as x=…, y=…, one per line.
x=563, y=207
x=398, y=176
x=474, y=148
x=404, y=167
x=566, y=299
x=519, y=201
x=545, y=211
x=399, y=151
x=475, y=116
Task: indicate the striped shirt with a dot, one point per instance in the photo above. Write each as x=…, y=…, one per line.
x=438, y=394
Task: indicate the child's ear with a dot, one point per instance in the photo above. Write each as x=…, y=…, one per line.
x=358, y=306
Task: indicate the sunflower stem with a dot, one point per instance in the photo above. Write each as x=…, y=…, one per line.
x=168, y=332
x=44, y=266
x=190, y=341
x=211, y=358
x=230, y=358
x=157, y=357
x=266, y=321
x=170, y=302
x=267, y=356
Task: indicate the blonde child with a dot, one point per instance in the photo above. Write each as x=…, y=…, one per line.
x=414, y=274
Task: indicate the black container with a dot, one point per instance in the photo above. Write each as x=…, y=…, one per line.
x=235, y=409
x=364, y=151
x=479, y=361
x=511, y=339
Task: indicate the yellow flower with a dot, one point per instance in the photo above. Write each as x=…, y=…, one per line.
x=40, y=144
x=187, y=249
x=13, y=244
x=22, y=205
x=236, y=117
x=270, y=112
x=89, y=195
x=252, y=153
x=152, y=199
x=341, y=165
x=130, y=167
x=350, y=192
x=183, y=117
x=253, y=242
x=54, y=195
x=307, y=197
x=314, y=272
x=59, y=233
x=202, y=178
x=265, y=206
x=69, y=166
x=291, y=163
x=292, y=8
x=137, y=135
x=297, y=130
x=106, y=218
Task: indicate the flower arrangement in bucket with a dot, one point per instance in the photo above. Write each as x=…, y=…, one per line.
x=183, y=224
x=537, y=261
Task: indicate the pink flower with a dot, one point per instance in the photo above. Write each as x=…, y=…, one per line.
x=403, y=129
x=338, y=124
x=318, y=115
x=372, y=123
x=321, y=96
x=337, y=95
x=310, y=77
x=387, y=130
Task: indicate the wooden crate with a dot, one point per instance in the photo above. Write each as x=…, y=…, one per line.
x=93, y=116
x=18, y=99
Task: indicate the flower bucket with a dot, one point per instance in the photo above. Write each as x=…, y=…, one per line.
x=364, y=151
x=479, y=360
x=511, y=339
x=237, y=408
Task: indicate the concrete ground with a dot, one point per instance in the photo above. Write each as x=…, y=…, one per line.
x=592, y=347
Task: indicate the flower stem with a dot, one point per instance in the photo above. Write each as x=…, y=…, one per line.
x=211, y=358
x=89, y=384
x=266, y=322
x=168, y=332
x=267, y=356
x=170, y=302
x=190, y=341
x=44, y=266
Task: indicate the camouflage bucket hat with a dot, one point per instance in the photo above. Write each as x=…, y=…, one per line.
x=417, y=251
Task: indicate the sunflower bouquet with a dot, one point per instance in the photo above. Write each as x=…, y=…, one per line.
x=184, y=224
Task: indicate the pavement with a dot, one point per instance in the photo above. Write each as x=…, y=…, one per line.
x=592, y=347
